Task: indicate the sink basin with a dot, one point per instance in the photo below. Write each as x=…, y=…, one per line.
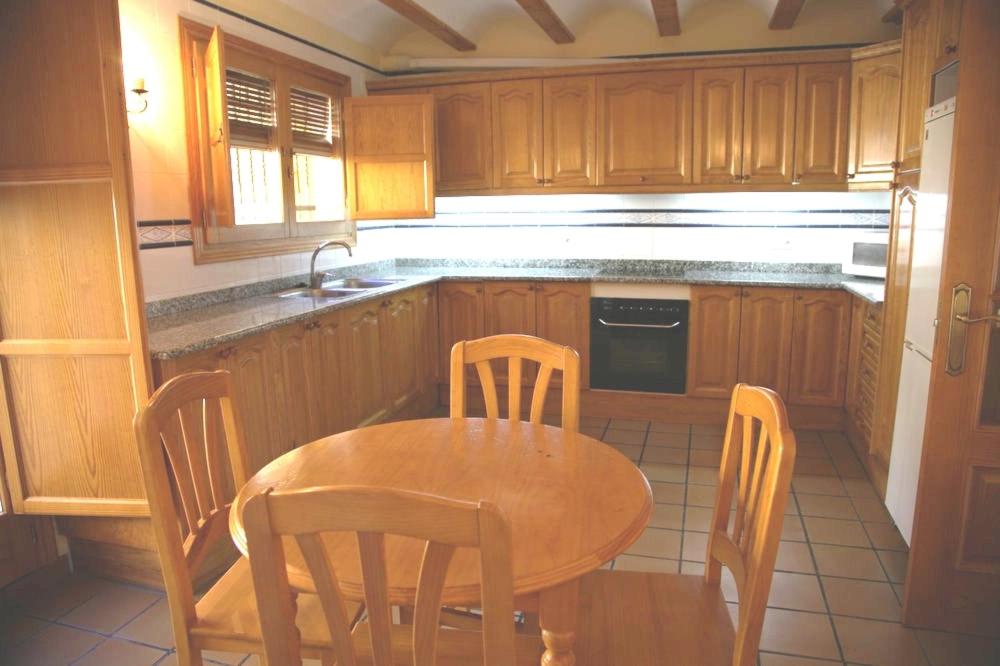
x=324, y=292
x=362, y=283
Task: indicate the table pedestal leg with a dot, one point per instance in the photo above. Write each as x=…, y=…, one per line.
x=557, y=617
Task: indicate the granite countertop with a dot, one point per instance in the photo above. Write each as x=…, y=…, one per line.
x=200, y=323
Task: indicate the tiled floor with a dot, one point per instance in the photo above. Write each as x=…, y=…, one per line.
x=835, y=598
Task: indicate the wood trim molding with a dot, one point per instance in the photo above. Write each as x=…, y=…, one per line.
x=416, y=14
x=876, y=50
x=542, y=13
x=785, y=13
x=78, y=506
x=668, y=20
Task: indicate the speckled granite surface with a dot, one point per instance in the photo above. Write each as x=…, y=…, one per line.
x=190, y=324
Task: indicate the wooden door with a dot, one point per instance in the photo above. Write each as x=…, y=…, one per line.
x=713, y=341
x=562, y=315
x=919, y=32
x=517, y=133
x=949, y=32
x=296, y=368
x=256, y=374
x=766, y=337
x=427, y=337
x=820, y=337
x=329, y=376
x=570, y=131
x=364, y=392
x=769, y=124
x=874, y=126
x=73, y=362
x=389, y=147
x=644, y=128
x=398, y=338
x=953, y=581
x=718, y=125
x=463, y=132
x=821, y=119
x=509, y=307
x=462, y=317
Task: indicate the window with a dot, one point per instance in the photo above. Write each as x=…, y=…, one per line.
x=266, y=148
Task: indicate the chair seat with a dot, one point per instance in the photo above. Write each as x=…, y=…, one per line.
x=631, y=618
x=456, y=647
x=228, y=619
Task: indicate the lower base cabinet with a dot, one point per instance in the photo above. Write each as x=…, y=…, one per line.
x=862, y=384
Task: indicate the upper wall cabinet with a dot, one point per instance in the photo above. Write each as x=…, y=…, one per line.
x=919, y=49
x=823, y=91
x=871, y=150
x=517, y=133
x=768, y=124
x=463, y=133
x=718, y=125
x=644, y=128
x=570, y=135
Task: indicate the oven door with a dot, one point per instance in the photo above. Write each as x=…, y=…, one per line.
x=628, y=356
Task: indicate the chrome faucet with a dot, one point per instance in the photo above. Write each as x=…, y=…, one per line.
x=316, y=279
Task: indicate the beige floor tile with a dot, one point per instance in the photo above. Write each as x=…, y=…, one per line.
x=894, y=562
x=228, y=658
x=875, y=642
x=51, y=603
x=827, y=506
x=53, y=646
x=594, y=422
x=152, y=627
x=704, y=476
x=860, y=488
x=662, y=454
x=630, y=451
x=692, y=568
x=111, y=609
x=667, y=493
x=818, y=485
x=629, y=424
x=708, y=429
x=791, y=529
x=799, y=633
x=613, y=436
x=796, y=592
x=848, y=562
x=862, y=598
x=701, y=496
x=769, y=659
x=808, y=436
x=113, y=652
x=944, y=649
x=815, y=467
x=850, y=468
x=660, y=472
x=254, y=660
x=871, y=510
x=809, y=449
x=662, y=426
x=698, y=518
x=885, y=537
x=16, y=628
x=794, y=556
x=596, y=433
x=695, y=545
x=708, y=442
x=706, y=458
x=668, y=516
x=650, y=564
x=674, y=440
x=837, y=532
x=657, y=543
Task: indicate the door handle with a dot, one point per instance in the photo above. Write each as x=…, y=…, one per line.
x=966, y=320
x=612, y=324
x=958, y=327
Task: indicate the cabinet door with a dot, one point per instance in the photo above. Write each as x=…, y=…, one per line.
x=949, y=28
x=919, y=32
x=718, y=125
x=362, y=358
x=821, y=114
x=562, y=315
x=713, y=342
x=644, y=128
x=461, y=317
x=768, y=124
x=398, y=336
x=463, y=130
x=517, y=133
x=820, y=338
x=766, y=338
x=427, y=337
x=570, y=136
x=255, y=377
x=330, y=380
x=296, y=369
x=874, y=126
x=509, y=308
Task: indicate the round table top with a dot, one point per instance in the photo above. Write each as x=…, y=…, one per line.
x=573, y=503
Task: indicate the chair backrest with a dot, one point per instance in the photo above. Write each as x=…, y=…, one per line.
x=517, y=348
x=372, y=513
x=757, y=461
x=193, y=456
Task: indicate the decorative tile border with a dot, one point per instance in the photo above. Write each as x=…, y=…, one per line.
x=155, y=234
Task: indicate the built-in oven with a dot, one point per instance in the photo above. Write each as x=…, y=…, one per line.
x=638, y=344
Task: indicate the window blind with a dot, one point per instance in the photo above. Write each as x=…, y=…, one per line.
x=250, y=101
x=315, y=120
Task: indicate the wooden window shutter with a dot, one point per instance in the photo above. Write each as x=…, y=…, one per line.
x=220, y=209
x=315, y=120
x=249, y=109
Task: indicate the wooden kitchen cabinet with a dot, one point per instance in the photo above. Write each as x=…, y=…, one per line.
x=949, y=32
x=517, y=133
x=427, y=336
x=769, y=124
x=713, y=341
x=398, y=337
x=327, y=341
x=461, y=314
x=644, y=128
x=463, y=132
x=820, y=338
x=766, y=316
x=298, y=374
x=362, y=355
x=919, y=49
x=570, y=131
x=509, y=307
x=821, y=122
x=874, y=115
x=718, y=125
x=562, y=315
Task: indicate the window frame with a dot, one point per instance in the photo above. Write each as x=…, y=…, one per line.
x=213, y=243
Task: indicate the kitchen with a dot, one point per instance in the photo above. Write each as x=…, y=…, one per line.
x=695, y=207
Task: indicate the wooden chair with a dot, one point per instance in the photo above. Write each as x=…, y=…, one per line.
x=445, y=524
x=629, y=618
x=517, y=348
x=193, y=456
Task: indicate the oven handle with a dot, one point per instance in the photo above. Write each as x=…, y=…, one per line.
x=617, y=325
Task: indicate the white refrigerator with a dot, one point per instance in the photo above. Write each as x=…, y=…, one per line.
x=921, y=315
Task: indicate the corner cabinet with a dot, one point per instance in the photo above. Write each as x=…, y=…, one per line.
x=874, y=125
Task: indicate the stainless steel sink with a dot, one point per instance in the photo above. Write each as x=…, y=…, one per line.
x=340, y=288
x=362, y=283
x=318, y=293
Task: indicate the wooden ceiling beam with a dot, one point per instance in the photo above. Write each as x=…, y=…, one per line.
x=668, y=20
x=546, y=18
x=413, y=12
x=785, y=13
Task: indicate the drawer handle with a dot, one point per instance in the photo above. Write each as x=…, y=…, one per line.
x=227, y=352
x=612, y=324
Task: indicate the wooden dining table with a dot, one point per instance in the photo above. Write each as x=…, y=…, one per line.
x=573, y=504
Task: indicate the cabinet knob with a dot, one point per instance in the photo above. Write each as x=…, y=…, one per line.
x=743, y=179
x=540, y=181
x=227, y=352
x=951, y=48
x=851, y=175
x=642, y=179
x=895, y=164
